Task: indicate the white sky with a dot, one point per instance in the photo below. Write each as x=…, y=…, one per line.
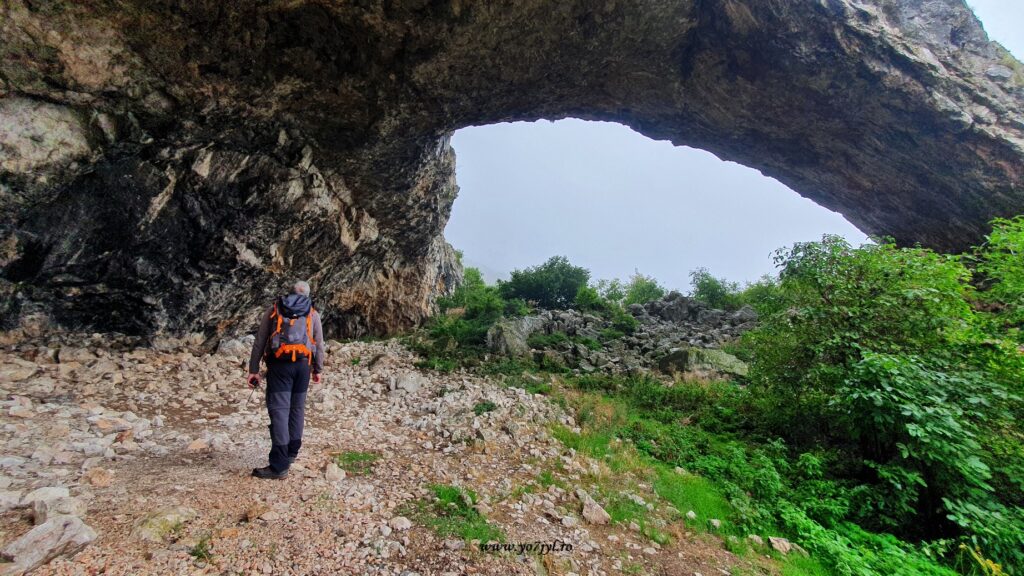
x=614, y=201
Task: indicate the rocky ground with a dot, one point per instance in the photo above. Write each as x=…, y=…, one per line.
x=121, y=460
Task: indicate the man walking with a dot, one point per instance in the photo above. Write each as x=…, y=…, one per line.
x=291, y=340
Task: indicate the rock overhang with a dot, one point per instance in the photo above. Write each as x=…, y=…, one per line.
x=214, y=151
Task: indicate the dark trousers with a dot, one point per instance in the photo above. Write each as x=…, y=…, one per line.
x=287, y=384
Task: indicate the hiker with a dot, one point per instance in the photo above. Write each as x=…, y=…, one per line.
x=291, y=340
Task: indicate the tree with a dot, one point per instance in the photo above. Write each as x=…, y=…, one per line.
x=554, y=284
x=715, y=292
x=642, y=289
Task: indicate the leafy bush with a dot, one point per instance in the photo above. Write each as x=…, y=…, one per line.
x=611, y=290
x=541, y=340
x=589, y=300
x=642, y=289
x=553, y=284
x=878, y=351
x=483, y=407
x=715, y=292
x=1001, y=263
x=765, y=295
x=622, y=321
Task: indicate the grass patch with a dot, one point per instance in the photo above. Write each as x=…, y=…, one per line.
x=483, y=407
x=552, y=340
x=610, y=334
x=504, y=366
x=202, y=549
x=356, y=463
x=451, y=512
x=797, y=565
x=437, y=363
x=530, y=383
x=688, y=492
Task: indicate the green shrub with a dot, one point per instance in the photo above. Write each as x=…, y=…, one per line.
x=611, y=290
x=715, y=292
x=516, y=307
x=609, y=334
x=765, y=296
x=642, y=289
x=552, y=285
x=540, y=340
x=878, y=351
x=622, y=321
x=588, y=300
x=483, y=407
x=472, y=282
x=1001, y=263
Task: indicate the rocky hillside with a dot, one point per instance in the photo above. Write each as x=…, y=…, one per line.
x=135, y=461
x=675, y=335
x=164, y=166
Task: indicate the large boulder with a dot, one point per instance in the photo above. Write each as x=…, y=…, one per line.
x=509, y=336
x=160, y=524
x=59, y=535
x=685, y=360
x=717, y=361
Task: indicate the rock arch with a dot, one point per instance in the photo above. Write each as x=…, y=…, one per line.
x=167, y=165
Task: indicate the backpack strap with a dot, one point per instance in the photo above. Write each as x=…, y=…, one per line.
x=309, y=333
x=280, y=319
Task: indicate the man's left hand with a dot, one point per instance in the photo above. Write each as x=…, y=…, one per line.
x=316, y=378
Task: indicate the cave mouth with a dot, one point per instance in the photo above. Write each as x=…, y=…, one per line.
x=616, y=201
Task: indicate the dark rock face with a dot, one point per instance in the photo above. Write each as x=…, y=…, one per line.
x=166, y=166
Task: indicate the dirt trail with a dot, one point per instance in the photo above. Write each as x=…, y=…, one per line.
x=134, y=434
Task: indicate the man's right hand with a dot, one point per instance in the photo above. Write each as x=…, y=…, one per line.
x=253, y=380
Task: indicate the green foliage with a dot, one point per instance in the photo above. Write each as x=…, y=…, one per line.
x=589, y=300
x=461, y=328
x=1001, y=263
x=765, y=296
x=611, y=290
x=541, y=340
x=622, y=321
x=877, y=350
x=483, y=407
x=609, y=334
x=452, y=512
x=553, y=284
x=733, y=473
x=202, y=550
x=688, y=492
x=356, y=463
x=642, y=289
x=715, y=292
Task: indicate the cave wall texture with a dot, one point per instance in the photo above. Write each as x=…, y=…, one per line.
x=168, y=165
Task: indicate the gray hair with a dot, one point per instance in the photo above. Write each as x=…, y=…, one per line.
x=301, y=287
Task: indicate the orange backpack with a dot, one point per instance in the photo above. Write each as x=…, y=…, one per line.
x=293, y=330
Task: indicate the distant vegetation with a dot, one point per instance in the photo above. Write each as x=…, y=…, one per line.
x=879, y=427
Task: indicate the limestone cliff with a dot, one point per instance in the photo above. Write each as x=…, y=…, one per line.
x=167, y=165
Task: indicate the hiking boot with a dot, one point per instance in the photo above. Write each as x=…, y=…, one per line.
x=291, y=460
x=267, y=473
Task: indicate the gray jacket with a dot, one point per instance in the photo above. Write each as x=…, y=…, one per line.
x=259, y=348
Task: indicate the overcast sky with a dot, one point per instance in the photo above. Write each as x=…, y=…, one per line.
x=615, y=201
